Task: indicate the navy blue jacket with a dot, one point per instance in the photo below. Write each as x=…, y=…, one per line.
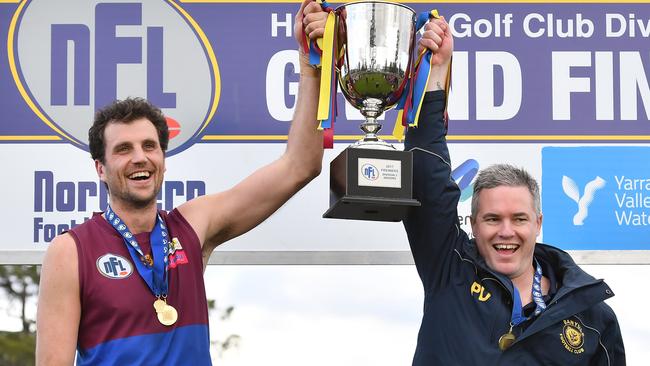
x=467, y=306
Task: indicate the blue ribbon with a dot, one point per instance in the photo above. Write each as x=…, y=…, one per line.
x=155, y=276
x=416, y=82
x=420, y=86
x=517, y=316
x=423, y=17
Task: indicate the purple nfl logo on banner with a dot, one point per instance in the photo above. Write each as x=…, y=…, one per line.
x=96, y=52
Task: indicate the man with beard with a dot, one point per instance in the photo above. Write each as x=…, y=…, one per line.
x=126, y=287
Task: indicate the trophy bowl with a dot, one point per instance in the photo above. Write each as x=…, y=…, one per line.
x=377, y=40
x=371, y=180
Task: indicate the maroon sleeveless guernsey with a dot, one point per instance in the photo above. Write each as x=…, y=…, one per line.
x=118, y=322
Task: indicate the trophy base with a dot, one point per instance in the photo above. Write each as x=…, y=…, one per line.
x=373, y=185
x=370, y=208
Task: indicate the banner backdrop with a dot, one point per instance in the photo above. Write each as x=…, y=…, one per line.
x=559, y=88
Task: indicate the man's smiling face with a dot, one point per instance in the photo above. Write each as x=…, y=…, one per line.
x=506, y=227
x=134, y=163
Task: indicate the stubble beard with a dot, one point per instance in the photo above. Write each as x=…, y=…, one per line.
x=136, y=202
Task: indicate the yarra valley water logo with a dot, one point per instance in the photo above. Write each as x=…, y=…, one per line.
x=71, y=57
x=571, y=190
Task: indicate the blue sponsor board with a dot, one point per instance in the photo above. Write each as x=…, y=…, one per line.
x=596, y=198
x=227, y=71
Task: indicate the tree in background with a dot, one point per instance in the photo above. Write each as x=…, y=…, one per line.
x=232, y=341
x=19, y=284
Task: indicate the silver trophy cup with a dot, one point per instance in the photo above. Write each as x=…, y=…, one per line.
x=378, y=39
x=371, y=180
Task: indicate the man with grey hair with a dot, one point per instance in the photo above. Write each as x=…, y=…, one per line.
x=500, y=298
x=505, y=175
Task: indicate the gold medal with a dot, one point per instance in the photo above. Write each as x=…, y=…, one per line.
x=159, y=304
x=506, y=340
x=168, y=315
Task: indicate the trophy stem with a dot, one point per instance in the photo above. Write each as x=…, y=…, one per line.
x=371, y=128
x=372, y=108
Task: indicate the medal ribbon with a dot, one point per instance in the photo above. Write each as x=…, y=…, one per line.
x=517, y=316
x=155, y=276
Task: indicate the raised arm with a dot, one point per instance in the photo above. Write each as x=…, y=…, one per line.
x=59, y=307
x=432, y=228
x=219, y=217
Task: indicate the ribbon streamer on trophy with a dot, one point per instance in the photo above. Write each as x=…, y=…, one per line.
x=411, y=102
x=329, y=52
x=367, y=49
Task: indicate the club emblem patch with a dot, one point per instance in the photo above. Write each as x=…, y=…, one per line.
x=114, y=266
x=176, y=254
x=572, y=337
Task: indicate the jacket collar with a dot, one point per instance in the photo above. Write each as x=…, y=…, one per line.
x=585, y=290
x=568, y=274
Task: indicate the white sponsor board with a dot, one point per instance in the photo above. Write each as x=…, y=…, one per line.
x=296, y=226
x=50, y=187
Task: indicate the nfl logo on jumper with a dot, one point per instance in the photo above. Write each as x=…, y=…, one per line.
x=114, y=266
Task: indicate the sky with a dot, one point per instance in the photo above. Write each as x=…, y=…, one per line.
x=356, y=315
x=362, y=315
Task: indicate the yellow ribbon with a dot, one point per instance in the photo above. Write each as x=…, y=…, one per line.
x=398, y=130
x=326, y=69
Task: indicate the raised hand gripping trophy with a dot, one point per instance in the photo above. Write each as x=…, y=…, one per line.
x=371, y=180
